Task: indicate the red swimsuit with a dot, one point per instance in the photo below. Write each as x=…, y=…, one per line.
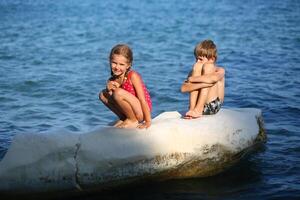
x=127, y=85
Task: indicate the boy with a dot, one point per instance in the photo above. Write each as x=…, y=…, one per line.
x=205, y=82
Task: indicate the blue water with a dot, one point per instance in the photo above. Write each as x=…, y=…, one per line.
x=54, y=61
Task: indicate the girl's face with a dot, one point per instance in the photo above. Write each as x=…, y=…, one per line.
x=119, y=64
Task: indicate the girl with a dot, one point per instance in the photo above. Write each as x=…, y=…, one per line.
x=125, y=93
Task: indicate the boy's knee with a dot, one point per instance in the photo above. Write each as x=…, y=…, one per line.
x=197, y=72
x=197, y=69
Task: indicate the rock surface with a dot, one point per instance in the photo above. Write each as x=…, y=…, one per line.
x=171, y=148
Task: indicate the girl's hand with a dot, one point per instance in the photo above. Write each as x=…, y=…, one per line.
x=144, y=125
x=112, y=85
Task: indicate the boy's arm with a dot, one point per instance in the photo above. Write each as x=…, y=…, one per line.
x=209, y=78
x=189, y=87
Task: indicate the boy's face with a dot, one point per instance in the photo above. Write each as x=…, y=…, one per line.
x=203, y=60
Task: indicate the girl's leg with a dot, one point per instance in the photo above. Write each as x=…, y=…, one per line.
x=109, y=102
x=130, y=106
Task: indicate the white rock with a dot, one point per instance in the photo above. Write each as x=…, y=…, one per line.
x=171, y=148
x=39, y=162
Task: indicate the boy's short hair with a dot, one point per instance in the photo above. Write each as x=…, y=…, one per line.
x=206, y=48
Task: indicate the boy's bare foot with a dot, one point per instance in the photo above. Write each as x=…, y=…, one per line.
x=129, y=124
x=195, y=114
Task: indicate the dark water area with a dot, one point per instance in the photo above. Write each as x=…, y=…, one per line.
x=54, y=61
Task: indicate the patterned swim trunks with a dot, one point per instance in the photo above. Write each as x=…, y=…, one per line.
x=212, y=107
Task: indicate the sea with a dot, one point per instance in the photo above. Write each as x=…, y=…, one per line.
x=54, y=61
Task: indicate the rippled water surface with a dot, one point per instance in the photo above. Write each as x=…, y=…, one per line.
x=54, y=61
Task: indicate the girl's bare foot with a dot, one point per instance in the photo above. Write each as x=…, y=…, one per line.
x=129, y=124
x=119, y=122
x=188, y=114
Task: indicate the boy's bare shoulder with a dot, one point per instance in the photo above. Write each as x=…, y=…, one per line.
x=220, y=69
x=218, y=66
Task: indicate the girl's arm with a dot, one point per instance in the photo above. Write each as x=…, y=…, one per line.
x=137, y=84
x=209, y=78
